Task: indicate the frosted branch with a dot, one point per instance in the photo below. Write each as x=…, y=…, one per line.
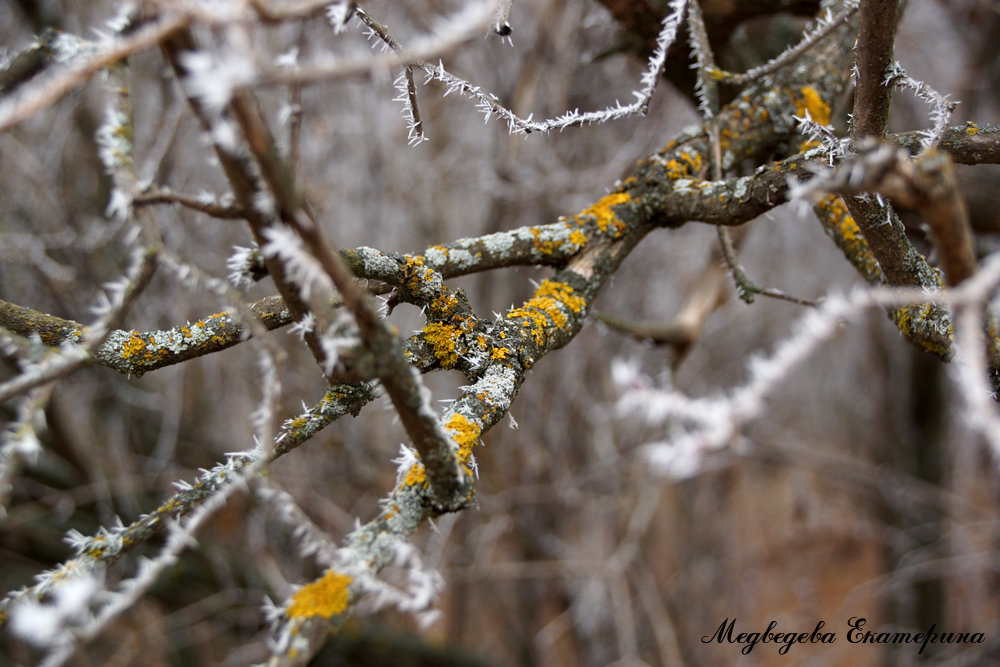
x=703, y=427
x=941, y=107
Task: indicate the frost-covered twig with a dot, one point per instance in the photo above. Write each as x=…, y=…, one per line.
x=110, y=310
x=446, y=36
x=411, y=111
x=705, y=88
x=704, y=426
x=34, y=97
x=19, y=441
x=825, y=24
x=970, y=370
x=315, y=543
x=490, y=106
x=941, y=106
x=203, y=203
x=109, y=544
x=180, y=536
x=833, y=147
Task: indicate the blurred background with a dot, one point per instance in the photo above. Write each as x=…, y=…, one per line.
x=861, y=493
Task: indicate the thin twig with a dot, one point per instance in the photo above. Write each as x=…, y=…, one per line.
x=824, y=27
x=34, y=98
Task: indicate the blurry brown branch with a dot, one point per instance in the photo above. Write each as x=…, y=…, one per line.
x=925, y=183
x=29, y=100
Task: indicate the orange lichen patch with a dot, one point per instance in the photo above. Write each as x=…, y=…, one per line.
x=499, y=353
x=971, y=129
x=444, y=305
x=465, y=434
x=844, y=230
x=602, y=213
x=133, y=346
x=676, y=170
x=846, y=226
x=576, y=237
x=443, y=339
x=415, y=274
x=546, y=247
x=684, y=165
x=326, y=597
x=811, y=101
x=562, y=293
x=295, y=426
x=417, y=474
x=545, y=308
x=692, y=162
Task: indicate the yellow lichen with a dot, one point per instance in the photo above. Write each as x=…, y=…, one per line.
x=296, y=424
x=716, y=74
x=326, y=597
x=693, y=161
x=562, y=293
x=971, y=129
x=602, y=213
x=442, y=338
x=911, y=319
x=417, y=474
x=685, y=165
x=499, y=353
x=444, y=305
x=465, y=434
x=846, y=226
x=676, y=170
x=811, y=101
x=544, y=308
x=134, y=345
x=578, y=238
x=546, y=247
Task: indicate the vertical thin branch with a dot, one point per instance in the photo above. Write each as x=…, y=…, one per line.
x=876, y=33
x=399, y=378
x=900, y=262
